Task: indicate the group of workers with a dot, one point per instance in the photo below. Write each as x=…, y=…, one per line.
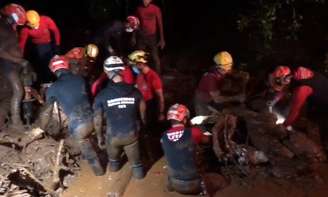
x=128, y=95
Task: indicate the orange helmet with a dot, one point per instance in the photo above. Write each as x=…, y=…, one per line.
x=58, y=62
x=33, y=18
x=178, y=112
x=16, y=12
x=132, y=23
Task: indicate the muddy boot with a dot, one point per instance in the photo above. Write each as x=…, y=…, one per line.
x=169, y=186
x=114, y=165
x=97, y=169
x=91, y=156
x=138, y=171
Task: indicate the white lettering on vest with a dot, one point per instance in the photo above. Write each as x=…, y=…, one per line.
x=175, y=136
x=121, y=102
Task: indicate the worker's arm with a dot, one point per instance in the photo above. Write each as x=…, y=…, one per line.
x=160, y=27
x=95, y=87
x=24, y=34
x=218, y=98
x=161, y=106
x=199, y=137
x=54, y=29
x=157, y=86
x=300, y=96
x=14, y=57
x=142, y=110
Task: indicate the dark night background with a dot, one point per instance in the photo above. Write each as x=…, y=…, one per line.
x=196, y=30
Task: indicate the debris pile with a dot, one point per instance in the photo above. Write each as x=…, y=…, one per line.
x=32, y=164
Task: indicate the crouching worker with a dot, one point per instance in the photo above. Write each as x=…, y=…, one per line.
x=123, y=107
x=179, y=144
x=69, y=92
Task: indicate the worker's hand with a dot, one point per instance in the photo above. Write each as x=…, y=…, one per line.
x=101, y=142
x=161, y=44
x=161, y=117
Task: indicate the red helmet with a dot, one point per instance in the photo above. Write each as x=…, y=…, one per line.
x=15, y=11
x=281, y=71
x=132, y=23
x=58, y=62
x=302, y=73
x=178, y=112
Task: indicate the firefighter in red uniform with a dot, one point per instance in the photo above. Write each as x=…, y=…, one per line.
x=150, y=85
x=82, y=59
x=39, y=30
x=179, y=144
x=278, y=83
x=310, y=88
x=151, y=24
x=208, y=92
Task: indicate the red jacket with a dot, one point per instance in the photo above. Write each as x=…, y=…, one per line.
x=148, y=83
x=41, y=35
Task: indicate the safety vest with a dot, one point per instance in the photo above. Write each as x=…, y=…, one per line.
x=179, y=150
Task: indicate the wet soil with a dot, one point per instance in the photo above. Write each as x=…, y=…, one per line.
x=154, y=184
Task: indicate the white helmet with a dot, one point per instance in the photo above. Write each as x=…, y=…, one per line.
x=113, y=63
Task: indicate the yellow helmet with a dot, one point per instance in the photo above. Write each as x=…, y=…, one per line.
x=138, y=56
x=91, y=51
x=223, y=60
x=33, y=18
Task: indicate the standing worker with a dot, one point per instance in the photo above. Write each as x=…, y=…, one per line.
x=150, y=85
x=151, y=21
x=39, y=29
x=11, y=58
x=124, y=109
x=69, y=92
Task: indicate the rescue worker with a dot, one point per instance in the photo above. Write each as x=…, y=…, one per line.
x=11, y=58
x=178, y=144
x=150, y=17
x=40, y=29
x=278, y=83
x=124, y=108
x=119, y=38
x=208, y=92
x=69, y=92
x=150, y=85
x=82, y=59
x=309, y=87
